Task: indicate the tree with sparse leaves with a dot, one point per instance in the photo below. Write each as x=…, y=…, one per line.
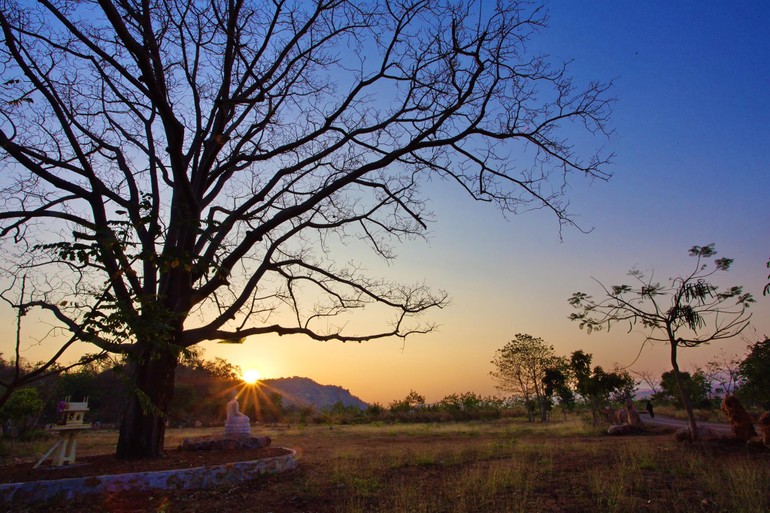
x=723, y=375
x=191, y=170
x=687, y=312
x=520, y=367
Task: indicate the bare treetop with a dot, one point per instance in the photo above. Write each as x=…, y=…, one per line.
x=208, y=153
x=182, y=171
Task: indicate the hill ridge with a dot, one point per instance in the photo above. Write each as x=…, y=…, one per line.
x=301, y=391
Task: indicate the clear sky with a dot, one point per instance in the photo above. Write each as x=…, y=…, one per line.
x=692, y=166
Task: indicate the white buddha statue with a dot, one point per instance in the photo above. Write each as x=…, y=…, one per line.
x=237, y=424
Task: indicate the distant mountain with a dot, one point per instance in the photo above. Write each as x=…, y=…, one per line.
x=303, y=392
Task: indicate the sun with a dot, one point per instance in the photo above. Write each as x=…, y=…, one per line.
x=251, y=376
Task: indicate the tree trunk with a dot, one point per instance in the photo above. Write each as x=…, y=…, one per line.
x=529, y=405
x=143, y=426
x=692, y=424
x=594, y=405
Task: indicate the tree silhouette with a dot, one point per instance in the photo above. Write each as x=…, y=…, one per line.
x=521, y=367
x=185, y=171
x=688, y=312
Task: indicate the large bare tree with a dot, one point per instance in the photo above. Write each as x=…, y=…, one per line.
x=178, y=171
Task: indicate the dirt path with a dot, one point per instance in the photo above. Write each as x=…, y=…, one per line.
x=670, y=422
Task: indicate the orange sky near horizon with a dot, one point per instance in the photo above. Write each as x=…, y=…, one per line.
x=494, y=296
x=505, y=278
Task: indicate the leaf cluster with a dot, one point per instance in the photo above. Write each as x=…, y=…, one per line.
x=677, y=312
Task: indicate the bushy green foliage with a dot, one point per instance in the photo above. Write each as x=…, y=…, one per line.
x=21, y=411
x=414, y=409
x=411, y=402
x=696, y=385
x=338, y=413
x=470, y=406
x=202, y=389
x=596, y=386
x=754, y=370
x=104, y=386
x=374, y=410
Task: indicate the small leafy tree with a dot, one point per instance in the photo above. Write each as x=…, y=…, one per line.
x=753, y=371
x=696, y=385
x=22, y=410
x=520, y=368
x=687, y=312
x=556, y=381
x=411, y=402
x=596, y=386
x=626, y=388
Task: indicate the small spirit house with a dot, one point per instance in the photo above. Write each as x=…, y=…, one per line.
x=70, y=425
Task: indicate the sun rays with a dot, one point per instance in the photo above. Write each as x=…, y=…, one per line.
x=257, y=399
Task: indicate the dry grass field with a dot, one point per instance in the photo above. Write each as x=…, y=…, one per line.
x=504, y=466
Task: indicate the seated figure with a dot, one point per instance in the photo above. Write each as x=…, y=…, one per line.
x=632, y=415
x=237, y=424
x=740, y=421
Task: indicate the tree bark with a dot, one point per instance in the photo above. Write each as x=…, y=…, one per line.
x=143, y=427
x=692, y=424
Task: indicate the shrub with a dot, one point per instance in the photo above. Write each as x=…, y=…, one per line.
x=20, y=413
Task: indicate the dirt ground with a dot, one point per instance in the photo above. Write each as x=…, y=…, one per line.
x=323, y=451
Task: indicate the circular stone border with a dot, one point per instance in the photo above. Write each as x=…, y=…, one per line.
x=177, y=479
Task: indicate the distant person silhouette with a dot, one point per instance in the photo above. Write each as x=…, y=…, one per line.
x=649, y=409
